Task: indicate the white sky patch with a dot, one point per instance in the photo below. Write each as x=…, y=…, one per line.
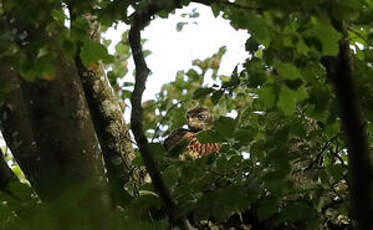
x=359, y=45
x=173, y=51
x=233, y=114
x=245, y=155
x=67, y=13
x=2, y=141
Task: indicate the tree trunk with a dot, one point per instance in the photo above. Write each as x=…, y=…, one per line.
x=51, y=135
x=107, y=116
x=360, y=181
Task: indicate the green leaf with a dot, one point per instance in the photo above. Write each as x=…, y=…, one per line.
x=209, y=136
x=21, y=191
x=287, y=100
x=328, y=37
x=171, y=175
x=346, y=9
x=222, y=202
x=192, y=74
x=202, y=92
x=180, y=26
x=142, y=204
x=301, y=94
x=251, y=45
x=244, y=135
x=259, y=29
x=255, y=24
x=267, y=95
x=333, y=129
x=59, y=16
x=126, y=93
x=69, y=47
x=296, y=212
x=92, y=52
x=122, y=49
x=267, y=207
x=337, y=171
x=225, y=126
x=39, y=68
x=178, y=149
x=368, y=55
x=301, y=47
x=215, y=8
x=157, y=148
x=287, y=70
x=216, y=96
x=128, y=84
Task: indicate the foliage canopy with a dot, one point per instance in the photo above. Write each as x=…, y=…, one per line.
x=290, y=157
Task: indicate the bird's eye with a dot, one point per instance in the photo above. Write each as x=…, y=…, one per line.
x=201, y=117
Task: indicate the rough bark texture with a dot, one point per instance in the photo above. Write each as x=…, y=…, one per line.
x=360, y=173
x=62, y=155
x=16, y=127
x=107, y=117
x=111, y=130
x=48, y=127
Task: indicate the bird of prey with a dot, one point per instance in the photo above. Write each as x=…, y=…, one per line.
x=199, y=119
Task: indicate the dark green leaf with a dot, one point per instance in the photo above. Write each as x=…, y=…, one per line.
x=296, y=212
x=209, y=136
x=244, y=135
x=178, y=149
x=216, y=96
x=215, y=7
x=92, y=52
x=225, y=126
x=171, y=175
x=180, y=26
x=287, y=100
x=267, y=207
x=267, y=95
x=126, y=93
x=328, y=37
x=251, y=45
x=202, y=92
x=287, y=70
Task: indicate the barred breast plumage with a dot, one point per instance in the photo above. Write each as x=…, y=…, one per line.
x=199, y=119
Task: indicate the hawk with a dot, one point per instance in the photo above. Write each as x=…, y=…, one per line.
x=199, y=119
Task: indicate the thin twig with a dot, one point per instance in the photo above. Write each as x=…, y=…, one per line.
x=164, y=118
x=235, y=5
x=231, y=4
x=339, y=158
x=323, y=149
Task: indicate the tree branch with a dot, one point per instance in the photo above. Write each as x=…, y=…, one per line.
x=141, y=19
x=319, y=155
x=360, y=173
x=164, y=118
x=7, y=176
x=223, y=2
x=109, y=124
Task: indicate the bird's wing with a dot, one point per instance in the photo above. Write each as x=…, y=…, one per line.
x=175, y=137
x=194, y=148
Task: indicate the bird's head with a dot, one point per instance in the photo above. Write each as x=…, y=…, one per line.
x=199, y=119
